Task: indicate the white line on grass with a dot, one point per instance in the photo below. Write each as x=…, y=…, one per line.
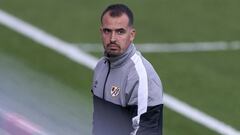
x=173, y=47
x=198, y=116
x=89, y=61
x=47, y=40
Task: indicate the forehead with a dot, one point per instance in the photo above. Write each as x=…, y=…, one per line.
x=115, y=22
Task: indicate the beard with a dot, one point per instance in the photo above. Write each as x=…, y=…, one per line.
x=113, y=50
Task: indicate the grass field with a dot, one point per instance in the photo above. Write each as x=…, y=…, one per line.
x=54, y=92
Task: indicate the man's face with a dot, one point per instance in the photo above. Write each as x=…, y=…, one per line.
x=117, y=35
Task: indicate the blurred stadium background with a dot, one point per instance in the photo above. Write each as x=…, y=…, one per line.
x=53, y=92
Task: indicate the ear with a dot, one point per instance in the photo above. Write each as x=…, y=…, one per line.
x=132, y=34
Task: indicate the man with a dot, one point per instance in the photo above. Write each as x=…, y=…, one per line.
x=127, y=92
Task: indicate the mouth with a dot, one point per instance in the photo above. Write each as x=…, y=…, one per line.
x=113, y=46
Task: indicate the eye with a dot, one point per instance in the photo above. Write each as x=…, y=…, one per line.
x=106, y=31
x=121, y=31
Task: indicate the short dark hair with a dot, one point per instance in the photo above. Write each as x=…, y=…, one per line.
x=116, y=10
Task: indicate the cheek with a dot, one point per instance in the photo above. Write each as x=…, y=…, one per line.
x=124, y=43
x=127, y=39
x=121, y=39
x=104, y=41
x=124, y=38
x=105, y=38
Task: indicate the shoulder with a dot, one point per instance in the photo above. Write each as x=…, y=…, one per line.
x=142, y=65
x=152, y=74
x=149, y=76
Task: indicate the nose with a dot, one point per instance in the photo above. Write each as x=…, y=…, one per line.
x=113, y=37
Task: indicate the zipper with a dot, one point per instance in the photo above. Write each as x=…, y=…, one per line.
x=109, y=66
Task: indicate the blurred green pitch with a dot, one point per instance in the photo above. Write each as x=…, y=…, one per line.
x=206, y=80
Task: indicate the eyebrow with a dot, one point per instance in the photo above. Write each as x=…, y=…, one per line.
x=119, y=29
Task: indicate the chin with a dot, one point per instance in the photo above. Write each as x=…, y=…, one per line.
x=113, y=54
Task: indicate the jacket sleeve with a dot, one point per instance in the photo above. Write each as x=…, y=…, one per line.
x=149, y=122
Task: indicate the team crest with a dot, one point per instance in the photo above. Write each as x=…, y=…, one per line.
x=115, y=91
